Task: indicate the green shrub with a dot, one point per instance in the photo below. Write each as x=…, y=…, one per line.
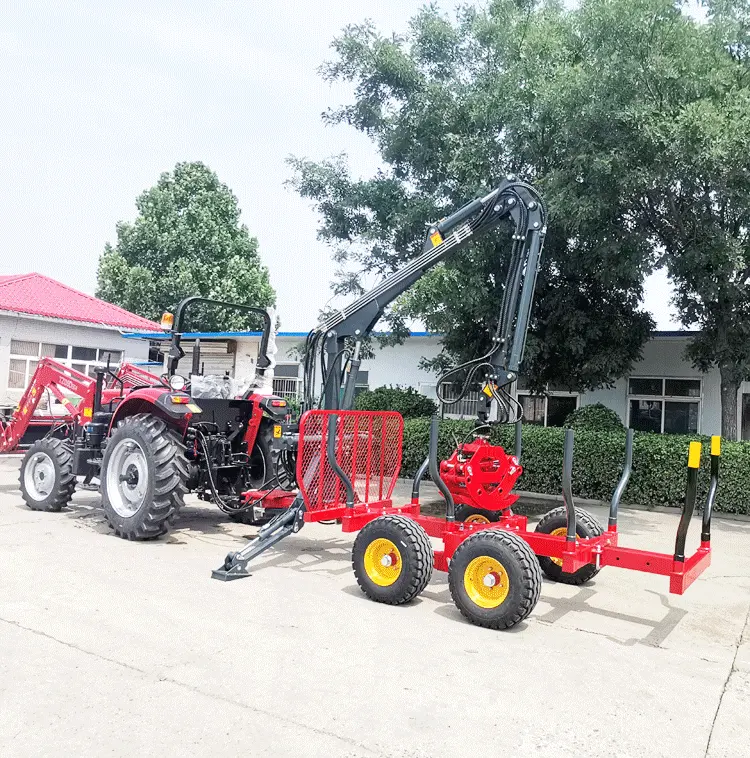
x=659, y=463
x=596, y=417
x=406, y=400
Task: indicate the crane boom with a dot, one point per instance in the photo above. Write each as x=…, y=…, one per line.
x=512, y=199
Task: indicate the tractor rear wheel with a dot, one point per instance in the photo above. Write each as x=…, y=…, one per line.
x=47, y=479
x=143, y=479
x=556, y=522
x=392, y=559
x=471, y=515
x=494, y=579
x=264, y=473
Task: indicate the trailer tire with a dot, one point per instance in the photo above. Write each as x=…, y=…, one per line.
x=47, y=479
x=143, y=479
x=471, y=515
x=556, y=522
x=392, y=559
x=494, y=579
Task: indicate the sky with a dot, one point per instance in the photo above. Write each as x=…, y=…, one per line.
x=100, y=98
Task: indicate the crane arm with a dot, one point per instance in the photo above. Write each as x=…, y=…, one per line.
x=512, y=200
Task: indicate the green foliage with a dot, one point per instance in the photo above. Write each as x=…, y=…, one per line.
x=633, y=119
x=186, y=240
x=659, y=463
x=596, y=417
x=406, y=400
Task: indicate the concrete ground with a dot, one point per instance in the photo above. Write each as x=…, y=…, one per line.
x=115, y=648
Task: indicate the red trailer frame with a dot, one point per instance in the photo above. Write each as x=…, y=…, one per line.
x=346, y=457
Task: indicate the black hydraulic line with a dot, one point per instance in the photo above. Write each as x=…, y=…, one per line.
x=567, y=486
x=713, y=486
x=450, y=506
x=624, y=478
x=421, y=471
x=694, y=462
x=333, y=422
x=351, y=379
x=519, y=439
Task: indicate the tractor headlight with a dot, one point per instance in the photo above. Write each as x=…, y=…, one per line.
x=177, y=382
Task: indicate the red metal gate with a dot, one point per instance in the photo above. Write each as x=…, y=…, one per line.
x=368, y=449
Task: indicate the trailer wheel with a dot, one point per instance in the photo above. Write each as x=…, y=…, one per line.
x=556, y=522
x=471, y=515
x=392, y=559
x=143, y=480
x=47, y=478
x=494, y=579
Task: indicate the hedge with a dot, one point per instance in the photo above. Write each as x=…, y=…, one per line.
x=406, y=400
x=659, y=463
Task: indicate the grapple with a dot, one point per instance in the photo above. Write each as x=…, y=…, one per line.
x=481, y=475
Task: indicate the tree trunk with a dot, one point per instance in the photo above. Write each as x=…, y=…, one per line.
x=730, y=387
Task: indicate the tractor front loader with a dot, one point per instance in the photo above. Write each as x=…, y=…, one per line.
x=149, y=442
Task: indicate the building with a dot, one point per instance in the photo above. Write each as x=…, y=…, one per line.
x=40, y=317
x=662, y=393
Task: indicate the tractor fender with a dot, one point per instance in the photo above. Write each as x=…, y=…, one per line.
x=157, y=402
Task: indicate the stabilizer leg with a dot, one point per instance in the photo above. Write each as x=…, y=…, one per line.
x=287, y=522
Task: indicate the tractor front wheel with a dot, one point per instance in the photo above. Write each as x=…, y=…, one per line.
x=47, y=478
x=392, y=559
x=494, y=579
x=556, y=522
x=143, y=479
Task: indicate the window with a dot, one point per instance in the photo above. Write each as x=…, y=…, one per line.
x=25, y=355
x=286, y=370
x=548, y=409
x=286, y=381
x=664, y=406
x=84, y=354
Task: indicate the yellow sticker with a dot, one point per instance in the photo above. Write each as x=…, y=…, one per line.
x=716, y=445
x=487, y=389
x=277, y=431
x=436, y=239
x=694, y=456
x=193, y=408
x=88, y=412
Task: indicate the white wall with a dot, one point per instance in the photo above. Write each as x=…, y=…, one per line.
x=61, y=333
x=664, y=357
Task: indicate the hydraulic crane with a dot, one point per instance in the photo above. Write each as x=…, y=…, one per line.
x=332, y=352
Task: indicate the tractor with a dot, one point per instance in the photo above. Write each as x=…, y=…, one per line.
x=148, y=442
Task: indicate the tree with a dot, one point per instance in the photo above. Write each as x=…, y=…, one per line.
x=452, y=109
x=631, y=116
x=187, y=240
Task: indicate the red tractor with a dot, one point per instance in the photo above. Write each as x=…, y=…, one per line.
x=148, y=442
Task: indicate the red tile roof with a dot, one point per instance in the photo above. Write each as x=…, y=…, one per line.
x=41, y=296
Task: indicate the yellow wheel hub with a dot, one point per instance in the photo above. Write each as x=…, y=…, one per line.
x=477, y=518
x=486, y=582
x=561, y=532
x=382, y=562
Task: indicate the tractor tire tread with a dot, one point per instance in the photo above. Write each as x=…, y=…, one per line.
x=170, y=479
x=62, y=453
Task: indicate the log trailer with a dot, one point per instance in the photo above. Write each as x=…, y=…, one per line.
x=347, y=462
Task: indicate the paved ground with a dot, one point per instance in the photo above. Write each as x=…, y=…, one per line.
x=116, y=648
